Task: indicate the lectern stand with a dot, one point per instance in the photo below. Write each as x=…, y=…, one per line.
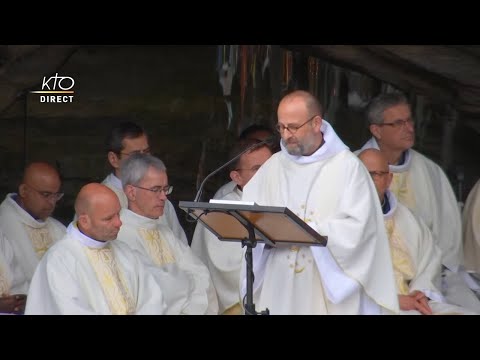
x=250, y=224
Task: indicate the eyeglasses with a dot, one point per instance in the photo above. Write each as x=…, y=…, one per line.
x=255, y=168
x=292, y=128
x=397, y=124
x=47, y=194
x=378, y=174
x=158, y=189
x=144, y=151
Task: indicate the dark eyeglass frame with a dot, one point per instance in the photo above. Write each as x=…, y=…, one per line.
x=47, y=194
x=400, y=123
x=157, y=189
x=292, y=128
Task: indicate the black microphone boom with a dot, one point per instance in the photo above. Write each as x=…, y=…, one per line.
x=269, y=141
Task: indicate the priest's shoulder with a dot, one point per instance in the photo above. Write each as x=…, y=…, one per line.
x=348, y=155
x=429, y=163
x=61, y=251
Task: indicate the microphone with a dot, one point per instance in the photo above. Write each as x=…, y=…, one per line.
x=269, y=141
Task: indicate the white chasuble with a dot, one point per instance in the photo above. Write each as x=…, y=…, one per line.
x=156, y=242
x=423, y=187
x=334, y=194
x=416, y=258
x=83, y=276
x=29, y=238
x=471, y=230
x=223, y=259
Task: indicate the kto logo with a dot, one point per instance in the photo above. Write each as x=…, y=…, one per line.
x=56, y=85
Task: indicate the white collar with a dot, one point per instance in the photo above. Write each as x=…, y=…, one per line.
x=372, y=143
x=332, y=146
x=115, y=181
x=85, y=240
x=25, y=217
x=134, y=219
x=392, y=200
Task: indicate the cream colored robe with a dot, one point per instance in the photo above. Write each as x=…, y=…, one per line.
x=169, y=215
x=223, y=259
x=471, y=230
x=225, y=190
x=12, y=280
x=156, y=241
x=29, y=238
x=82, y=276
x=333, y=193
x=416, y=258
x=423, y=187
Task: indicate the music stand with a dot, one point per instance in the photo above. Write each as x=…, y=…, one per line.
x=250, y=224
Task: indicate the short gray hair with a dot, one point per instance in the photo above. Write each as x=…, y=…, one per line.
x=134, y=168
x=381, y=103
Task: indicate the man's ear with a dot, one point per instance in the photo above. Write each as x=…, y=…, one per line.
x=113, y=159
x=83, y=220
x=130, y=191
x=235, y=176
x=389, y=179
x=22, y=190
x=319, y=120
x=376, y=131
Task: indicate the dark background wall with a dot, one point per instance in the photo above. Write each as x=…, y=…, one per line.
x=173, y=91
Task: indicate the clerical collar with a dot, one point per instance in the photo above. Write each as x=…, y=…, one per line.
x=404, y=163
x=84, y=239
x=405, y=159
x=385, y=204
x=332, y=146
x=392, y=202
x=16, y=200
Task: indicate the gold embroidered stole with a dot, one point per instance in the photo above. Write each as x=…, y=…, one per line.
x=403, y=266
x=402, y=188
x=157, y=247
x=113, y=284
x=234, y=310
x=297, y=259
x=4, y=283
x=40, y=238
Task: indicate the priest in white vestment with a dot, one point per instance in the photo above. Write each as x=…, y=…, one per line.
x=423, y=187
x=224, y=258
x=145, y=182
x=323, y=183
x=13, y=285
x=471, y=230
x=89, y=272
x=126, y=139
x=26, y=220
x=415, y=256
